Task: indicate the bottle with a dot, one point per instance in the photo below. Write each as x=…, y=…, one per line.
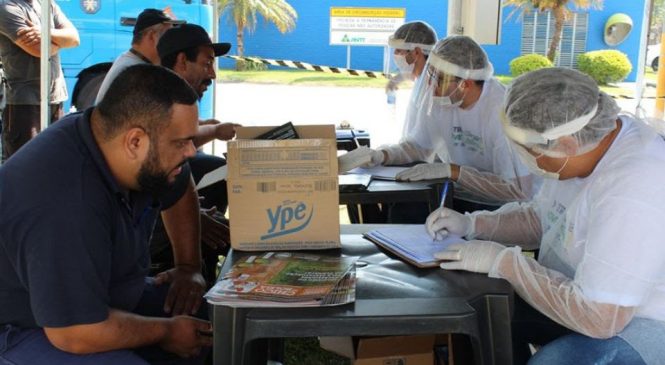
x=390, y=97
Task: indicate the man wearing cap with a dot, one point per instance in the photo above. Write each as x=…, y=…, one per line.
x=189, y=52
x=150, y=26
x=20, y=41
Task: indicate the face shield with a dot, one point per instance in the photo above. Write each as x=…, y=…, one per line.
x=405, y=55
x=545, y=142
x=443, y=85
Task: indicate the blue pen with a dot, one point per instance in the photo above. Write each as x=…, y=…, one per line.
x=444, y=192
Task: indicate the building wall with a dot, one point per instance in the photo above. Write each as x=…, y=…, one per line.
x=309, y=42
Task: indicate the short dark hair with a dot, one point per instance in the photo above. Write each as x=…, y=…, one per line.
x=191, y=53
x=143, y=96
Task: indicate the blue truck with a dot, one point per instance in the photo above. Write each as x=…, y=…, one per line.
x=105, y=28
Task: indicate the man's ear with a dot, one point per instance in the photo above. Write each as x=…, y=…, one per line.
x=180, y=62
x=136, y=144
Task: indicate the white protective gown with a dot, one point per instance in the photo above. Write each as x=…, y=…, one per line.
x=472, y=138
x=601, y=266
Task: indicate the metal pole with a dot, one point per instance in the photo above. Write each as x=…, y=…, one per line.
x=639, y=82
x=215, y=35
x=660, y=85
x=348, y=56
x=44, y=73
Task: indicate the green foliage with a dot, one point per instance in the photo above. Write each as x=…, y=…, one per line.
x=244, y=13
x=528, y=62
x=605, y=66
x=242, y=65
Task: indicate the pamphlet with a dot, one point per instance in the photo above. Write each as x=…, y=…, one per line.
x=286, y=279
x=412, y=243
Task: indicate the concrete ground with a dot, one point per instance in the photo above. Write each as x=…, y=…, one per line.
x=364, y=108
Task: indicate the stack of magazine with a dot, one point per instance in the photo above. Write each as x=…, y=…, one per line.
x=286, y=279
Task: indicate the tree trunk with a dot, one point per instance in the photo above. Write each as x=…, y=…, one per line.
x=559, y=18
x=240, y=47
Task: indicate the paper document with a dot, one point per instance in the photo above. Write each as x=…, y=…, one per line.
x=353, y=159
x=412, y=243
x=212, y=177
x=380, y=172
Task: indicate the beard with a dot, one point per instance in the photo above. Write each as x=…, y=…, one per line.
x=151, y=178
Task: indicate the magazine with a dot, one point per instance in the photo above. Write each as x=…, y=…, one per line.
x=286, y=279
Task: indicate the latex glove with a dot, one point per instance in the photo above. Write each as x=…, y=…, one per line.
x=475, y=256
x=394, y=81
x=444, y=220
x=425, y=171
x=377, y=158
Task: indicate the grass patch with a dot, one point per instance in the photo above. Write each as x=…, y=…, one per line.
x=299, y=77
x=299, y=351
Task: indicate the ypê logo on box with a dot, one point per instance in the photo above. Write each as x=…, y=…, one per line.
x=288, y=217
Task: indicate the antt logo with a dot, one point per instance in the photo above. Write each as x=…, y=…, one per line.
x=288, y=217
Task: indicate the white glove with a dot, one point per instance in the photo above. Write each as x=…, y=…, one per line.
x=377, y=158
x=393, y=82
x=475, y=256
x=425, y=171
x=444, y=220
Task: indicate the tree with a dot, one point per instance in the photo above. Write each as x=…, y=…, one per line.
x=560, y=11
x=244, y=15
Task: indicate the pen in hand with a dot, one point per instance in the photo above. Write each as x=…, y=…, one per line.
x=444, y=192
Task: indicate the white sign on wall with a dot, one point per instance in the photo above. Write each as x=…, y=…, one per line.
x=364, y=26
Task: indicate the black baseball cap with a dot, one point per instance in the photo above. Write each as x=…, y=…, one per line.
x=150, y=17
x=185, y=36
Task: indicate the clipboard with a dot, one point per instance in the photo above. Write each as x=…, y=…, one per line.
x=411, y=243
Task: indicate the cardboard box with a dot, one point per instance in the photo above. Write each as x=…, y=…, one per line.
x=393, y=350
x=283, y=194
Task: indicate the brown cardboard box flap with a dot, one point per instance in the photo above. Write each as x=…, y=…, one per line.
x=304, y=131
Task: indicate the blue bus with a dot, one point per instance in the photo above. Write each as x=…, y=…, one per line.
x=105, y=28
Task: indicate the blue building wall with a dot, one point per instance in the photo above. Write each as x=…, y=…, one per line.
x=309, y=42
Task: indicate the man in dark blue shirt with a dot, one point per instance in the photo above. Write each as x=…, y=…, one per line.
x=77, y=207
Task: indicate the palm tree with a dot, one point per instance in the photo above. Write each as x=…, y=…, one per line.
x=244, y=15
x=560, y=11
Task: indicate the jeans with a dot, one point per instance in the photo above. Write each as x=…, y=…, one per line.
x=31, y=346
x=578, y=349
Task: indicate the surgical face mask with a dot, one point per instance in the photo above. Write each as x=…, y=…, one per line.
x=445, y=101
x=404, y=67
x=531, y=163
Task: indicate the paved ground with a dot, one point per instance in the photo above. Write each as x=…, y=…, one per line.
x=364, y=108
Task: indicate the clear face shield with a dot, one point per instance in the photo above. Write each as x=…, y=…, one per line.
x=439, y=91
x=405, y=55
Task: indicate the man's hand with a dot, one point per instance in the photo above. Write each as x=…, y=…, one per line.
x=29, y=35
x=226, y=131
x=186, y=291
x=215, y=230
x=186, y=336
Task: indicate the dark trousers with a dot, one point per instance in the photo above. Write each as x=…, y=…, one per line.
x=21, y=123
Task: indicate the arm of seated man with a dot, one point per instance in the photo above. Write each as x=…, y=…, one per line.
x=181, y=335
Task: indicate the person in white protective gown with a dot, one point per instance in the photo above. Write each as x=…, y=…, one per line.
x=410, y=44
x=456, y=119
x=599, y=222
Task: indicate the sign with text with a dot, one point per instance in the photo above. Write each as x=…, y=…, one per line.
x=364, y=26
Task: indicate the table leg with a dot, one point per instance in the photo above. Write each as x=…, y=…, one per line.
x=494, y=319
x=228, y=335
